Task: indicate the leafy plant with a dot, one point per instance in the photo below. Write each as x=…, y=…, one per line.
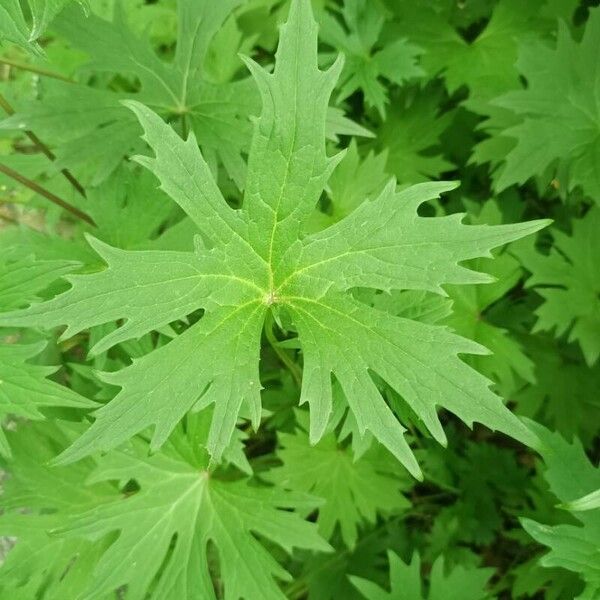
x=276, y=336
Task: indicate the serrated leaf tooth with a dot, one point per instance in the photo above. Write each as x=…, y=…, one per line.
x=334, y=71
x=160, y=435
x=419, y=193
x=465, y=275
x=111, y=377
x=111, y=339
x=261, y=76
x=333, y=162
x=101, y=248
x=145, y=161
x=316, y=391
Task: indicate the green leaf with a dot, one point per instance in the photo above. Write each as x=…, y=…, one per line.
x=354, y=490
x=256, y=259
x=43, y=12
x=22, y=279
x=350, y=184
x=101, y=132
x=484, y=65
x=14, y=27
x=170, y=524
x=472, y=316
x=545, y=109
x=462, y=583
x=410, y=136
x=568, y=280
x=590, y=501
x=368, y=61
x=25, y=390
x=563, y=395
x=170, y=521
x=571, y=476
x=36, y=499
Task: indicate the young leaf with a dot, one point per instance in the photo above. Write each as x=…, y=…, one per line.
x=256, y=259
x=590, y=501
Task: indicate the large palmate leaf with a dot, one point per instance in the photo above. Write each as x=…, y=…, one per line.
x=255, y=260
x=172, y=524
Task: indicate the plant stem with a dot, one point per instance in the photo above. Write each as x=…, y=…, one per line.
x=34, y=69
x=184, y=126
x=32, y=185
x=281, y=353
x=36, y=140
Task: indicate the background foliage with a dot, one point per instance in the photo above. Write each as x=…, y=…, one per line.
x=196, y=494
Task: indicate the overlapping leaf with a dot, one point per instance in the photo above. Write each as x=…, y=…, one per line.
x=65, y=548
x=410, y=135
x=15, y=28
x=405, y=579
x=37, y=499
x=169, y=524
x=101, y=131
x=24, y=388
x=486, y=64
x=571, y=476
x=508, y=365
x=563, y=395
x=353, y=491
x=368, y=59
x=545, y=109
x=568, y=280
